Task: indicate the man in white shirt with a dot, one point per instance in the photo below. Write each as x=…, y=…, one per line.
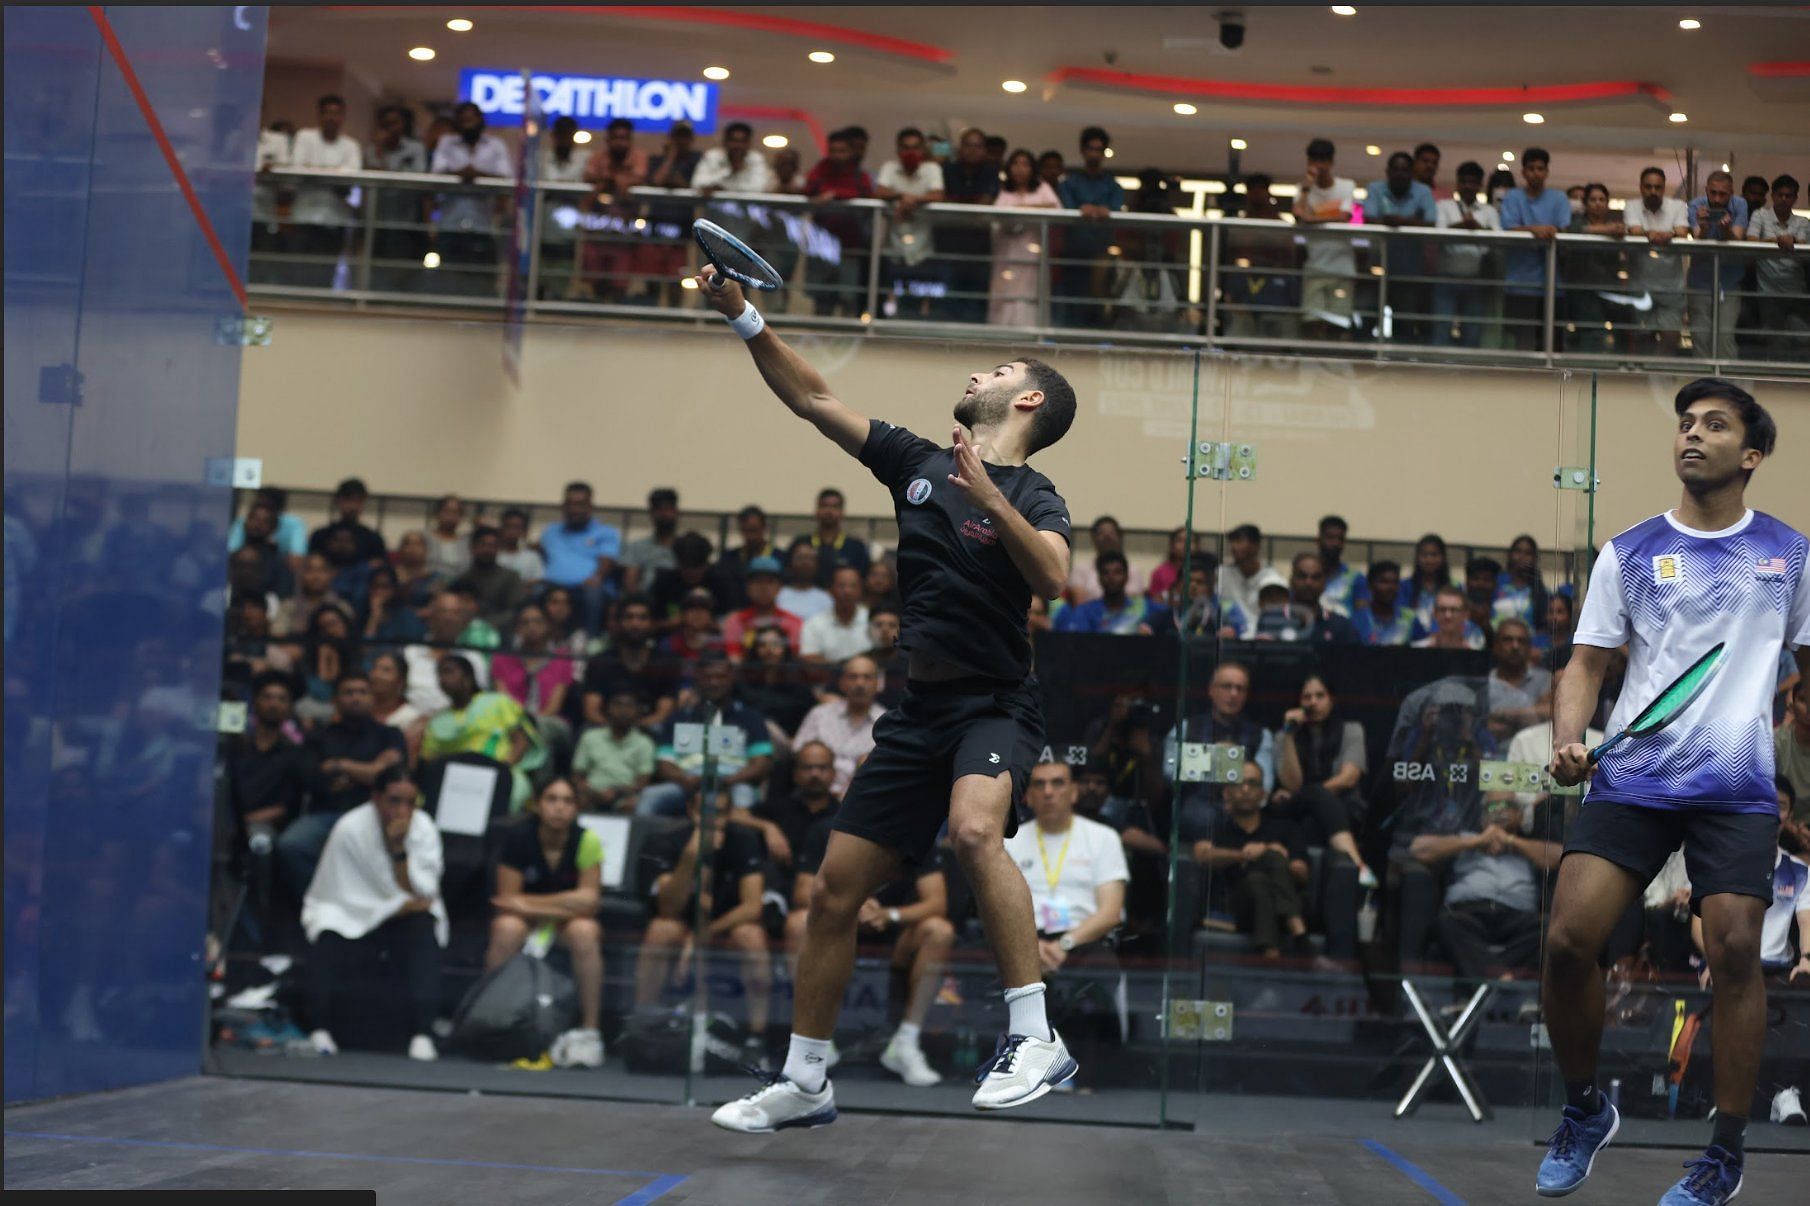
x=1461, y=307
x=1659, y=219
x=273, y=152
x=734, y=166
x=840, y=631
x=846, y=725
x=320, y=214
x=1783, y=305
x=801, y=595
x=1075, y=869
x=464, y=233
x=1243, y=577
x=1327, y=279
x=908, y=180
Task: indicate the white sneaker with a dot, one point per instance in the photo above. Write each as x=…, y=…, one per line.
x=775, y=1106
x=422, y=1048
x=578, y=1049
x=1022, y=1070
x=906, y=1061
x=323, y=1043
x=1788, y=1108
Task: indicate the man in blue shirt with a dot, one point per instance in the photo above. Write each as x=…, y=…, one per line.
x=1381, y=620
x=581, y=552
x=1097, y=194
x=1114, y=611
x=1542, y=213
x=1718, y=216
x=1400, y=200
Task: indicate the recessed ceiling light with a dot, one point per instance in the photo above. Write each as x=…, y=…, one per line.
x=1373, y=149
x=1532, y=119
x=422, y=54
x=1725, y=167
x=716, y=73
x=1239, y=144
x=1680, y=118
x=1508, y=157
x=776, y=141
x=1185, y=109
x=1109, y=152
x=1690, y=23
x=1345, y=10
x=1013, y=85
x=821, y=56
x=459, y=25
x=581, y=137
x=1501, y=167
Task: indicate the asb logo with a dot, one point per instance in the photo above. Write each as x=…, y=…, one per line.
x=917, y=491
x=1668, y=567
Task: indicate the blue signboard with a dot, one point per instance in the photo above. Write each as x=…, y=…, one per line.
x=594, y=100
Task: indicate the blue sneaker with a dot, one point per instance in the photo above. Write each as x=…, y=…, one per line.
x=1573, y=1148
x=1710, y=1180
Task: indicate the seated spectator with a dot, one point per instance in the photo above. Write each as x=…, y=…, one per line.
x=389, y=699
x=315, y=589
x=669, y=877
x=1115, y=611
x=681, y=775
x=1074, y=867
x=1791, y=755
x=1318, y=624
x=911, y=912
x=835, y=547
x=1169, y=570
x=248, y=648
x=581, y=551
x=696, y=634
x=549, y=876
x=884, y=623
x=1382, y=620
x=1494, y=894
x=646, y=556
x=1519, y=690
x=328, y=650
x=1665, y=921
x=846, y=724
x=351, y=752
x=615, y=760
x=1347, y=588
x=387, y=618
x=1013, y=286
x=761, y=586
x=840, y=631
x=268, y=773
x=513, y=550
x=1247, y=572
x=416, y=579
x=1120, y=744
x=1261, y=865
x=1225, y=722
x=447, y=551
x=483, y=722
x=1084, y=575
x=801, y=595
x=498, y=589
x=286, y=529
x=259, y=529
x=690, y=574
x=538, y=677
x=1432, y=570
x=565, y=626
x=1552, y=640
x=734, y=566
x=1452, y=628
x=777, y=685
x=1783, y=302
x=1320, y=764
x=445, y=625
x=785, y=818
x=632, y=663
x=247, y=574
x=377, y=889
x=351, y=577
x=1520, y=591
x=477, y=632
x=349, y=499
x=1203, y=614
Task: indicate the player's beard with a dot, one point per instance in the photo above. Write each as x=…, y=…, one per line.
x=985, y=407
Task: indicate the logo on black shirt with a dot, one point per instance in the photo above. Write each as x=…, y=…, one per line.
x=917, y=491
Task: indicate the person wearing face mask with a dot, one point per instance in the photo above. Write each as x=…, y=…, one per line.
x=1656, y=270
x=1460, y=307
x=465, y=236
x=908, y=180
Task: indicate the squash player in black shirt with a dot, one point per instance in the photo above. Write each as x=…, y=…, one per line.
x=979, y=532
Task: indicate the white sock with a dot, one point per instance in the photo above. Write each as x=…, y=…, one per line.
x=1026, y=1007
x=907, y=1035
x=807, y=1062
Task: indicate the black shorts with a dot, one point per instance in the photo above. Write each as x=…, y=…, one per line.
x=1723, y=851
x=940, y=731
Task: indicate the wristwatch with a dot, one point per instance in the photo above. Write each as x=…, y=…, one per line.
x=1066, y=943
x=893, y=916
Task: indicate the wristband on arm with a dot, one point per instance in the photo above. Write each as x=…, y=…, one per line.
x=749, y=323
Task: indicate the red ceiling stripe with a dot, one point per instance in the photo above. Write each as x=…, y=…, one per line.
x=1779, y=71
x=781, y=113
x=1174, y=85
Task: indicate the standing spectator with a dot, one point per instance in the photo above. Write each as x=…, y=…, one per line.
x=1097, y=194
x=1381, y=620
x=680, y=775
x=314, y=591
x=1261, y=864
x=785, y=818
x=513, y=550
x=1783, y=305
x=1116, y=611
x=839, y=631
x=1401, y=200
x=1346, y=587
x=1262, y=293
x=1758, y=195
x=464, y=234
x=549, y=875
x=1074, y=867
x=1451, y=628
x=1328, y=279
x=378, y=890
x=351, y=752
x=1542, y=213
x=1106, y=536
x=1591, y=272
x=1718, y=216
x=1247, y=573
x=632, y=663
x=733, y=166
x=1320, y=763
x=499, y=590
x=1050, y=169
x=662, y=258
x=788, y=173
x=274, y=145
x=762, y=613
x=1432, y=572
x=447, y=551
x=909, y=180
x=647, y=555
x=320, y=215
x=609, y=251
x=399, y=239
x=834, y=285
x=971, y=178
x=846, y=725
x=348, y=505
x=1658, y=219
x=581, y=552
x=835, y=547
x=615, y=760
x=1012, y=295
x=801, y=595
x=1457, y=305
x=483, y=722
x=1494, y=895
x=1426, y=169
x=560, y=162
x=537, y=676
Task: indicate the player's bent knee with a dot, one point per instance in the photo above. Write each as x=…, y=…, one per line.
x=508, y=928
x=1733, y=954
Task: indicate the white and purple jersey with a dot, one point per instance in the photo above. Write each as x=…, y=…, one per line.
x=1670, y=593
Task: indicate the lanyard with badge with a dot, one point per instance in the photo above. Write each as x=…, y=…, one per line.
x=1053, y=916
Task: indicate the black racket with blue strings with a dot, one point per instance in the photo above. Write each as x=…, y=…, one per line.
x=732, y=258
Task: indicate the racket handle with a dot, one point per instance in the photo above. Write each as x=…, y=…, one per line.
x=1597, y=753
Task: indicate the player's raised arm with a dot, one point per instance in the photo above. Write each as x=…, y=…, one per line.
x=790, y=377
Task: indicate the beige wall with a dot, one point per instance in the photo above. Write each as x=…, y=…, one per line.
x=421, y=406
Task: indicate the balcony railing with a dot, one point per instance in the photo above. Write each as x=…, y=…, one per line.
x=1368, y=291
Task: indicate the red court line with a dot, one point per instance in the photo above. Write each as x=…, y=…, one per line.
x=1326, y=95
x=169, y=153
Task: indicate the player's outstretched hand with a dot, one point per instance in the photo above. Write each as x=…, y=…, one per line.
x=726, y=299
x=1571, y=765
x=970, y=476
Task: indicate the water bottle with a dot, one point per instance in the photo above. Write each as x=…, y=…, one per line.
x=1615, y=1092
x=965, y=1055
x=1367, y=919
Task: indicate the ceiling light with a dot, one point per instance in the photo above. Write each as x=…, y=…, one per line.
x=1501, y=167
x=776, y=141
x=1725, y=167
x=1532, y=119
x=1013, y=85
x=422, y=54
x=1508, y=157
x=1185, y=109
x=821, y=56
x=459, y=25
x=581, y=137
x=1373, y=149
x=716, y=73
x=1344, y=10
x=1679, y=118
x=1690, y=23
x=1239, y=144
x=1109, y=152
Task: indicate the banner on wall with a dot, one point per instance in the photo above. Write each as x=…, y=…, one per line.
x=594, y=100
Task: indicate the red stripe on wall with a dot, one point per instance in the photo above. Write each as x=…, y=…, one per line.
x=1175, y=85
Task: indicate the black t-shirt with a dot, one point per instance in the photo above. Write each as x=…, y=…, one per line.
x=1229, y=835
x=965, y=601
x=283, y=774
x=899, y=893
x=521, y=849
x=367, y=544
x=742, y=852
x=850, y=552
x=794, y=820
x=606, y=674
x=361, y=740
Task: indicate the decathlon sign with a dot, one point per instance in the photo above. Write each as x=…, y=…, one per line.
x=653, y=105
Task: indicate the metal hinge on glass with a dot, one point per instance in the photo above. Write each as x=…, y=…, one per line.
x=237, y=472
x=1212, y=763
x=1204, y=1021
x=716, y=741
x=1520, y=777
x=228, y=716
x=1221, y=461
x=244, y=330
x=1576, y=477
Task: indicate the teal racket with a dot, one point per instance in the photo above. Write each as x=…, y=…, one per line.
x=1670, y=703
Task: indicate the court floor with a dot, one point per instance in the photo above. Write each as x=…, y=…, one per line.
x=430, y=1148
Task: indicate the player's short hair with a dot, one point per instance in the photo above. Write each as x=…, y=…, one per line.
x=1758, y=430
x=1057, y=414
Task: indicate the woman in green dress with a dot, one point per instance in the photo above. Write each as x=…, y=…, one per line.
x=484, y=722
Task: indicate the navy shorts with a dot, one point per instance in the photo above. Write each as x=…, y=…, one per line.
x=1723, y=851
x=940, y=731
